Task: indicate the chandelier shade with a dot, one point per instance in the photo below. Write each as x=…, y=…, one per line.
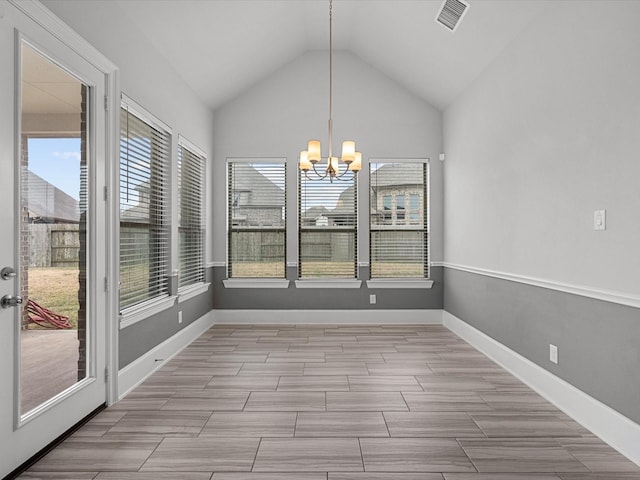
x=313, y=149
x=305, y=164
x=356, y=165
x=348, y=151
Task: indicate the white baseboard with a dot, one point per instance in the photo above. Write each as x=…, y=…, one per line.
x=324, y=317
x=140, y=369
x=618, y=431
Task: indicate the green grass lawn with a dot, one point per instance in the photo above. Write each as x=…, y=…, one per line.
x=326, y=269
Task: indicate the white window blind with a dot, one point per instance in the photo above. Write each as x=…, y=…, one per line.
x=257, y=209
x=144, y=209
x=398, y=230
x=328, y=227
x=191, y=167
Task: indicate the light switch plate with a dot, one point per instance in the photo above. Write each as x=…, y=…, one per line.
x=600, y=220
x=553, y=353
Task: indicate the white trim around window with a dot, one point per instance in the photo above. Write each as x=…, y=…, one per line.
x=399, y=218
x=143, y=114
x=191, y=232
x=144, y=191
x=256, y=222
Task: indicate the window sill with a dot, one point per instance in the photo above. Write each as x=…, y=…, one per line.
x=332, y=283
x=192, y=291
x=255, y=283
x=399, y=283
x=145, y=310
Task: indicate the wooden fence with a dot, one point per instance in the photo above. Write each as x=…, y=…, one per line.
x=53, y=245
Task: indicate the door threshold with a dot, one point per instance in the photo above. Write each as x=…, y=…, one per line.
x=43, y=452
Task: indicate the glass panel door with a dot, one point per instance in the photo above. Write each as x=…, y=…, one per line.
x=54, y=247
x=53, y=230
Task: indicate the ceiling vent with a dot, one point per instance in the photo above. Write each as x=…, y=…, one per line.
x=451, y=13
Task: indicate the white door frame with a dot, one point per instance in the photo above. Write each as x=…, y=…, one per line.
x=56, y=27
x=51, y=24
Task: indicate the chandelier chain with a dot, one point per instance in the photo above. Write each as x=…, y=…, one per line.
x=313, y=155
x=330, y=77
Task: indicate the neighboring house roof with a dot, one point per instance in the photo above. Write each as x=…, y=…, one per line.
x=264, y=192
x=397, y=174
x=139, y=211
x=48, y=203
x=344, y=206
x=315, y=212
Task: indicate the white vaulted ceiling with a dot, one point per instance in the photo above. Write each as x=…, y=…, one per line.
x=223, y=47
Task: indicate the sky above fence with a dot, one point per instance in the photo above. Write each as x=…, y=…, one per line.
x=57, y=160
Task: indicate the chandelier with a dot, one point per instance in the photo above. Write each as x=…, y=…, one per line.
x=312, y=155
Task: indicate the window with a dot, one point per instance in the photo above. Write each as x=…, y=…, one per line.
x=414, y=208
x=256, y=204
x=327, y=227
x=399, y=229
x=191, y=164
x=400, y=207
x=145, y=145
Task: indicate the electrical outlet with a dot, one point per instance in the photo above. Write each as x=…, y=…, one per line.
x=179, y=317
x=372, y=299
x=553, y=353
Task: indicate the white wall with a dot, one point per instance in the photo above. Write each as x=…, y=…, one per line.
x=547, y=134
x=277, y=117
x=145, y=75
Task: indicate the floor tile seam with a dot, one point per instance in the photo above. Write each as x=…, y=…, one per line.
x=470, y=416
x=361, y=456
x=405, y=402
x=458, y=440
x=278, y=383
x=384, y=417
x=255, y=456
x=139, y=469
x=576, y=458
x=206, y=422
x=246, y=400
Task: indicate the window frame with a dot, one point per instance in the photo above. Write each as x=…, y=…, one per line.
x=199, y=227
x=233, y=201
x=156, y=302
x=406, y=224
x=326, y=281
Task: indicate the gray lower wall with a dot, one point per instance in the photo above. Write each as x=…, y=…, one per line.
x=293, y=298
x=598, y=341
x=139, y=338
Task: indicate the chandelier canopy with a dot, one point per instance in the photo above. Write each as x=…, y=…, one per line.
x=313, y=155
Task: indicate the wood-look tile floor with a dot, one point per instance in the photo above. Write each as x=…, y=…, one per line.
x=332, y=403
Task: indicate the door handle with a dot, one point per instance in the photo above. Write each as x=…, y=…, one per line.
x=10, y=301
x=7, y=273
